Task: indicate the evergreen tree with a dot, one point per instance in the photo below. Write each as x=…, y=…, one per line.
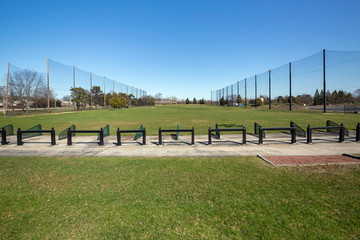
x=194, y=101
x=239, y=99
x=187, y=101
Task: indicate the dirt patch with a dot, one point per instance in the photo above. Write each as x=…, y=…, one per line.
x=309, y=160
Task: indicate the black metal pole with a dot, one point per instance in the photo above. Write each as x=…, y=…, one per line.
x=245, y=93
x=293, y=135
x=53, y=141
x=192, y=136
x=309, y=137
x=342, y=133
x=269, y=89
x=144, y=137
x=324, y=95
x=238, y=91
x=260, y=135
x=3, y=136
x=101, y=137
x=209, y=136
x=160, y=137
x=118, y=137
x=290, y=107
x=358, y=132
x=19, y=141
x=255, y=92
x=244, y=135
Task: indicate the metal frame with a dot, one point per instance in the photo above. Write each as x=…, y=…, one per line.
x=118, y=135
x=358, y=132
x=20, y=132
x=243, y=130
x=341, y=132
x=177, y=130
x=70, y=132
x=291, y=129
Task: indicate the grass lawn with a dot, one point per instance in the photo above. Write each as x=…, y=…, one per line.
x=198, y=116
x=188, y=198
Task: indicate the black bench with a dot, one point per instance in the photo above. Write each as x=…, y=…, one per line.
x=341, y=132
x=291, y=129
x=118, y=135
x=243, y=130
x=20, y=132
x=70, y=133
x=177, y=130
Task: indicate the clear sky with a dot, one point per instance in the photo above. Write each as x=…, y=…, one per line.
x=182, y=48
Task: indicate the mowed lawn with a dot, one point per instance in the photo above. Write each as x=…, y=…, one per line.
x=175, y=198
x=198, y=116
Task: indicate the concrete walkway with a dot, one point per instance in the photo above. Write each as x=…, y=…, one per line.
x=275, y=144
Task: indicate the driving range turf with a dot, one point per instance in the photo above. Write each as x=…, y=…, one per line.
x=198, y=116
x=172, y=198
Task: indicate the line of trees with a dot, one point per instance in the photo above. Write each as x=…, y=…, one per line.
x=194, y=101
x=95, y=97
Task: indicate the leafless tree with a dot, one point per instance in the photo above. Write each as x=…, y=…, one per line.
x=28, y=87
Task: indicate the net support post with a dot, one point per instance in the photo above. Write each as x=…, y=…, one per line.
x=309, y=135
x=53, y=141
x=192, y=136
x=144, y=137
x=209, y=136
x=358, y=132
x=160, y=137
x=19, y=137
x=3, y=136
x=101, y=137
x=261, y=135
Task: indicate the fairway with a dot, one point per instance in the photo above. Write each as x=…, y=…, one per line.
x=172, y=198
x=198, y=116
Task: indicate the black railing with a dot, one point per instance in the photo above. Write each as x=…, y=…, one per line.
x=70, y=133
x=358, y=132
x=341, y=132
x=20, y=132
x=177, y=130
x=118, y=135
x=291, y=129
x=243, y=130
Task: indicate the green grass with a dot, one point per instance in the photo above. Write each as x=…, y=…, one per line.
x=172, y=198
x=198, y=116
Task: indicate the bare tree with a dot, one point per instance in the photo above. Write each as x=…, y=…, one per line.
x=28, y=87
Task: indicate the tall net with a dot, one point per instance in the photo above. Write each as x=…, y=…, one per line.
x=342, y=78
x=33, y=134
x=263, y=88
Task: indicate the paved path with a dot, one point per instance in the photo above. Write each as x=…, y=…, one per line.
x=276, y=144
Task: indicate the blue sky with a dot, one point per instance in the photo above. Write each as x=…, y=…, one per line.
x=180, y=48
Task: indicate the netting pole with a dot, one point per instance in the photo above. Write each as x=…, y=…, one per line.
x=48, y=88
x=74, y=84
x=211, y=97
x=245, y=93
x=232, y=95
x=255, y=92
x=290, y=107
x=91, y=90
x=7, y=91
x=104, y=92
x=269, y=89
x=113, y=86
x=324, y=96
x=238, y=91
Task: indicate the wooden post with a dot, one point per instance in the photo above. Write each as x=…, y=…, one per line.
x=48, y=88
x=7, y=91
x=74, y=85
